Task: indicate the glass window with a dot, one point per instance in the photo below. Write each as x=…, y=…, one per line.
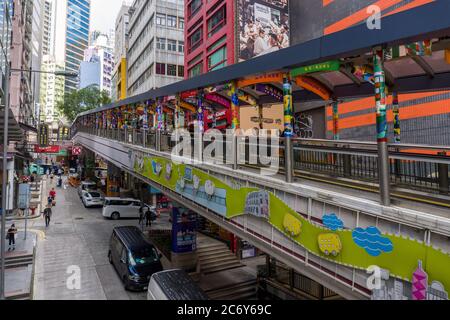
x=181, y=23
x=160, y=68
x=194, y=6
x=161, y=43
x=196, y=70
x=181, y=71
x=171, y=45
x=181, y=46
x=172, y=21
x=195, y=39
x=218, y=59
x=171, y=70
x=217, y=21
x=160, y=19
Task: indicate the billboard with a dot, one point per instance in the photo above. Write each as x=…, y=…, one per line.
x=317, y=18
x=184, y=230
x=263, y=27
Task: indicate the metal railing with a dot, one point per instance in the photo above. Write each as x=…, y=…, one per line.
x=417, y=167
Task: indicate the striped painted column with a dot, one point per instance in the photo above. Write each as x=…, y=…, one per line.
x=287, y=101
x=396, y=113
x=380, y=96
x=200, y=112
x=159, y=113
x=234, y=106
x=335, y=108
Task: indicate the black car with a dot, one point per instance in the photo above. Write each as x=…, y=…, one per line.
x=134, y=257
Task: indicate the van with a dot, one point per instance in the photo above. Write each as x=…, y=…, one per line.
x=174, y=285
x=116, y=208
x=134, y=257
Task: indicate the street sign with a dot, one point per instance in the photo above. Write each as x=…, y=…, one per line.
x=76, y=151
x=24, y=196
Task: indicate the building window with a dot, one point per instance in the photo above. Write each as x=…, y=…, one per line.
x=217, y=21
x=181, y=71
x=196, y=70
x=181, y=46
x=171, y=45
x=172, y=21
x=218, y=59
x=160, y=68
x=181, y=23
x=172, y=70
x=194, y=7
x=160, y=19
x=161, y=43
x=195, y=40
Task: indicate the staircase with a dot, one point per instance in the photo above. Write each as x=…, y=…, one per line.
x=238, y=291
x=216, y=257
x=18, y=261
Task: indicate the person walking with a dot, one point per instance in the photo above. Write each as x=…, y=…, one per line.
x=51, y=178
x=47, y=215
x=148, y=217
x=12, y=231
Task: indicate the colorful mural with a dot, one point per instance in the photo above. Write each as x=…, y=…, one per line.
x=359, y=248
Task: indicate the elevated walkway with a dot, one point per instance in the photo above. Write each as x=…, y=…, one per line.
x=407, y=224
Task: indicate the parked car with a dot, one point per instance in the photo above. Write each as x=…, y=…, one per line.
x=86, y=186
x=116, y=208
x=174, y=285
x=134, y=257
x=92, y=198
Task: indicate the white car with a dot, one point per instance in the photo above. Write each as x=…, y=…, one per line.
x=85, y=186
x=116, y=208
x=92, y=198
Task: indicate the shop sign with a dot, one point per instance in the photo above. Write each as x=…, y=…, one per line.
x=327, y=66
x=49, y=149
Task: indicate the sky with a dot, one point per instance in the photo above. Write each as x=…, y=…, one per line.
x=104, y=13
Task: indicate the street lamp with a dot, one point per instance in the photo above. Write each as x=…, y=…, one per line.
x=8, y=71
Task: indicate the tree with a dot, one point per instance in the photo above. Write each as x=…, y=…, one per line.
x=82, y=100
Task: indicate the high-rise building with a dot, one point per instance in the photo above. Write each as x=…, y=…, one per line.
x=47, y=28
x=98, y=64
x=72, y=20
x=156, y=44
x=119, y=80
x=37, y=52
x=210, y=35
x=52, y=89
x=21, y=98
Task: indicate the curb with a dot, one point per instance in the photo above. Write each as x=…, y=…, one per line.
x=23, y=217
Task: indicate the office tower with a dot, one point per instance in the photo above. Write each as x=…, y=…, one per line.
x=119, y=80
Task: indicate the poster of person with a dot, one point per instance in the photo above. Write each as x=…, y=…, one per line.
x=263, y=27
x=184, y=230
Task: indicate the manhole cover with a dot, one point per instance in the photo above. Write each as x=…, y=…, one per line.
x=79, y=218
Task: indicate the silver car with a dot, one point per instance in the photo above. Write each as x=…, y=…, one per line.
x=92, y=198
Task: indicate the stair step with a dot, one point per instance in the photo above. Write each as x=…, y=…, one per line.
x=216, y=261
x=214, y=264
x=221, y=267
x=17, y=265
x=247, y=283
x=217, y=255
x=212, y=252
x=212, y=248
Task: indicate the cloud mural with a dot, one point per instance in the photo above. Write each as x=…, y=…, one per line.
x=371, y=240
x=332, y=222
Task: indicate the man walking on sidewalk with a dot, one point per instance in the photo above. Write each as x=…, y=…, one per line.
x=47, y=215
x=12, y=237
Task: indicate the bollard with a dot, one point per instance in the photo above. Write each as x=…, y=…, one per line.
x=383, y=173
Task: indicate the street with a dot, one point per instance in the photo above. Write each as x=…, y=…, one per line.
x=79, y=237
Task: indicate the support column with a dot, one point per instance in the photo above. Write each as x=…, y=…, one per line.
x=380, y=102
x=288, y=129
x=199, y=129
x=234, y=106
x=396, y=112
x=335, y=108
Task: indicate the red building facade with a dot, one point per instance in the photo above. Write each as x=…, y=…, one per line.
x=209, y=35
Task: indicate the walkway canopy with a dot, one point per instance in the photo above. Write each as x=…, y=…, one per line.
x=337, y=66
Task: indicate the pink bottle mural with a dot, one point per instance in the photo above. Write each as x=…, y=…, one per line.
x=419, y=283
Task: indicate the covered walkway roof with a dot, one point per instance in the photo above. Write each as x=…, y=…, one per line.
x=350, y=46
x=15, y=133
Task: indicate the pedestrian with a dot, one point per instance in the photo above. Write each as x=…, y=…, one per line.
x=51, y=178
x=49, y=201
x=52, y=194
x=148, y=217
x=47, y=215
x=12, y=231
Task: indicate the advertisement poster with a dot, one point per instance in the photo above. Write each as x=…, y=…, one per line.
x=24, y=196
x=184, y=226
x=263, y=27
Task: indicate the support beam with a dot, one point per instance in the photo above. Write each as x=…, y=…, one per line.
x=424, y=65
x=380, y=102
x=346, y=72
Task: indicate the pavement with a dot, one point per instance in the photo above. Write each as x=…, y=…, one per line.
x=76, y=244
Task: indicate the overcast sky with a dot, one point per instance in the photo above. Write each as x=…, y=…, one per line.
x=104, y=13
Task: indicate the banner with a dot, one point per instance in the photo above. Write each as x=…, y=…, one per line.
x=49, y=149
x=263, y=27
x=184, y=238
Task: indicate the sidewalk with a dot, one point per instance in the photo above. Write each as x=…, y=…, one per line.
x=43, y=190
x=19, y=264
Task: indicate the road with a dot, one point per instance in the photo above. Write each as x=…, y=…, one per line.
x=77, y=238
